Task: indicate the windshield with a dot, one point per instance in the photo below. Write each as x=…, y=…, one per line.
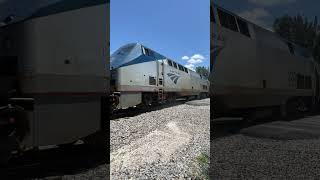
x=124, y=55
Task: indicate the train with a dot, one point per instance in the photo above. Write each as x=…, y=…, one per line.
x=141, y=77
x=54, y=84
x=254, y=70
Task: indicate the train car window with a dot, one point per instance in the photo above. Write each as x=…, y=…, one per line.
x=186, y=70
x=308, y=82
x=227, y=20
x=175, y=65
x=212, y=18
x=243, y=26
x=181, y=67
x=152, y=80
x=300, y=81
x=169, y=62
x=290, y=46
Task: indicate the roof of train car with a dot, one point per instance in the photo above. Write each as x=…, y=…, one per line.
x=258, y=26
x=140, y=59
x=144, y=59
x=14, y=11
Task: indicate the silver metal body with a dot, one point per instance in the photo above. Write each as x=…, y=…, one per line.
x=134, y=79
x=62, y=62
x=256, y=71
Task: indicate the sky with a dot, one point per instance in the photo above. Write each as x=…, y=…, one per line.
x=177, y=29
x=264, y=12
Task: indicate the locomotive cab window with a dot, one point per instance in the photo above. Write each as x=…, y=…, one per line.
x=243, y=26
x=148, y=52
x=227, y=20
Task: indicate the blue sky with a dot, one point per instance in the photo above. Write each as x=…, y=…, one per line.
x=174, y=28
x=263, y=12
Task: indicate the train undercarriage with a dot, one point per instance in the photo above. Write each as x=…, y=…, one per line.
x=293, y=107
x=148, y=99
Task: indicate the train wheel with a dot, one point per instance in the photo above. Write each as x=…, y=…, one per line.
x=198, y=96
x=297, y=107
x=171, y=98
x=147, y=100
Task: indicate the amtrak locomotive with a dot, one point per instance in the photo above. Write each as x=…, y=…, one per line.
x=53, y=78
x=141, y=76
x=253, y=68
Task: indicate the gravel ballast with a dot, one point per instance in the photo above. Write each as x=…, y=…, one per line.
x=274, y=153
x=160, y=144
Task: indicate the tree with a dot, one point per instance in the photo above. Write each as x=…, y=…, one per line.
x=300, y=30
x=203, y=71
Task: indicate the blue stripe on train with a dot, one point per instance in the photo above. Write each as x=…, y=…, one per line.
x=138, y=60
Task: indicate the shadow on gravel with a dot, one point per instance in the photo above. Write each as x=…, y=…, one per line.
x=54, y=162
x=230, y=127
x=131, y=112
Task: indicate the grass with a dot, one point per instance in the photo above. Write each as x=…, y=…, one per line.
x=201, y=170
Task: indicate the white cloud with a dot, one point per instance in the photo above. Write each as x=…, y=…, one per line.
x=195, y=59
x=190, y=66
x=185, y=58
x=271, y=2
x=257, y=16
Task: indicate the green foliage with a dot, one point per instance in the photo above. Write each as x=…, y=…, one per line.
x=202, y=167
x=300, y=30
x=203, y=71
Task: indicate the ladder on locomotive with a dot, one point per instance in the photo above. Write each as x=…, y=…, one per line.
x=161, y=95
